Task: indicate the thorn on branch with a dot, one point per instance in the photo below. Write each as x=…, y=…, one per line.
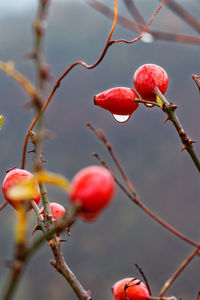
x=167, y=119
x=173, y=107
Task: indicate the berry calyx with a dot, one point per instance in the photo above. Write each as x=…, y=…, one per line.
x=131, y=289
x=93, y=188
x=57, y=210
x=147, y=77
x=16, y=176
x=119, y=101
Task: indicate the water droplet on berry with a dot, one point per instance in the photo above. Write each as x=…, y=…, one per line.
x=147, y=37
x=148, y=105
x=121, y=118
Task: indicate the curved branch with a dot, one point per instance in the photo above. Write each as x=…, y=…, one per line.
x=83, y=64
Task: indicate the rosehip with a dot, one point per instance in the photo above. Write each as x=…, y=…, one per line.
x=13, y=177
x=147, y=77
x=120, y=101
x=92, y=187
x=131, y=289
x=57, y=210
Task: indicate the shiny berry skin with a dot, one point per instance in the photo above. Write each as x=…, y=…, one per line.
x=118, y=101
x=135, y=290
x=13, y=177
x=147, y=77
x=92, y=187
x=57, y=210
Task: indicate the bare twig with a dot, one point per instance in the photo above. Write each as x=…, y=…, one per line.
x=3, y=205
x=144, y=277
x=83, y=64
x=130, y=25
x=10, y=70
x=179, y=270
x=183, y=14
x=133, y=196
x=134, y=12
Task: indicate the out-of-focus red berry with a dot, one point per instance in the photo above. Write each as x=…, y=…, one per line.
x=13, y=177
x=147, y=77
x=57, y=210
x=131, y=289
x=93, y=188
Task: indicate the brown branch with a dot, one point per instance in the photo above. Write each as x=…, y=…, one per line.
x=54, y=242
x=60, y=265
x=144, y=277
x=10, y=70
x=179, y=270
x=130, y=25
x=145, y=28
x=39, y=30
x=83, y=64
x=17, y=270
x=133, y=196
x=134, y=12
x=3, y=205
x=183, y=14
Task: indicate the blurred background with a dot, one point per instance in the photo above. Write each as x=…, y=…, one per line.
x=165, y=179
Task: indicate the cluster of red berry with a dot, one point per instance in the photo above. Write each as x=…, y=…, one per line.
x=92, y=187
x=120, y=101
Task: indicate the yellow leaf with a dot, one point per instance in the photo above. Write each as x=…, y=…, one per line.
x=1, y=120
x=159, y=101
x=21, y=226
x=54, y=179
x=23, y=191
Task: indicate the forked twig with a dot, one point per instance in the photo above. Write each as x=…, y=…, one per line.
x=133, y=196
x=133, y=26
x=183, y=14
x=135, y=199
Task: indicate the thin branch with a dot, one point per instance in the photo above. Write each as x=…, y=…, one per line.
x=134, y=12
x=144, y=277
x=3, y=205
x=132, y=26
x=83, y=64
x=179, y=270
x=61, y=266
x=145, y=28
x=133, y=196
x=10, y=70
x=183, y=14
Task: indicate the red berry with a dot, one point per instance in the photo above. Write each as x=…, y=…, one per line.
x=131, y=289
x=147, y=77
x=92, y=187
x=57, y=210
x=119, y=101
x=13, y=177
